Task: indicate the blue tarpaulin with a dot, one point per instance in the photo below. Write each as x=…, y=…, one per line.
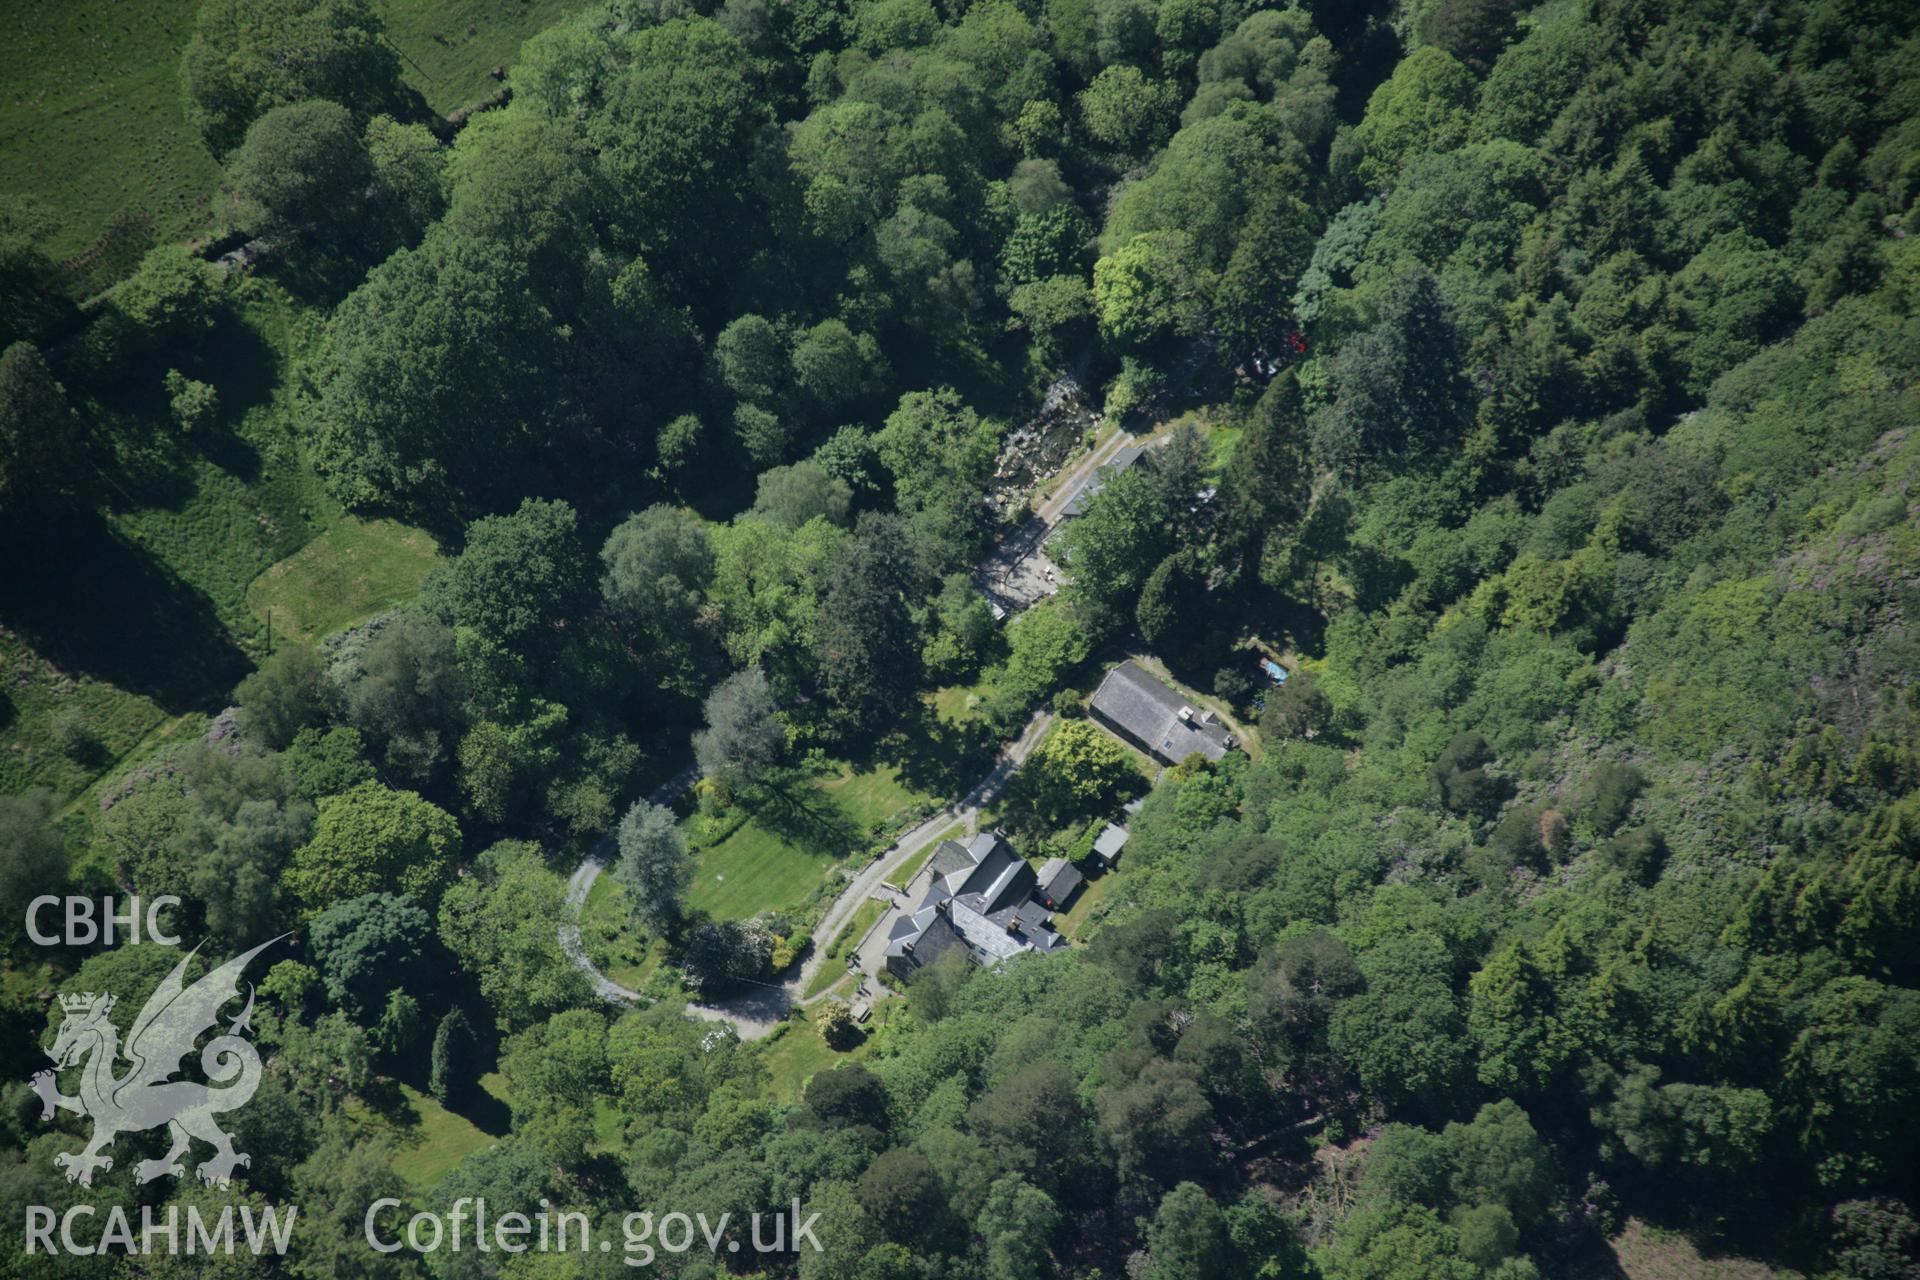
x=1274, y=670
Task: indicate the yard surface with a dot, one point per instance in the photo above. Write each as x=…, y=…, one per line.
x=1073, y=922
x=834, y=970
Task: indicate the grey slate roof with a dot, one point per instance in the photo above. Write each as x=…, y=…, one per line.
x=1058, y=880
x=950, y=857
x=980, y=898
x=1093, y=484
x=1139, y=707
x=1111, y=840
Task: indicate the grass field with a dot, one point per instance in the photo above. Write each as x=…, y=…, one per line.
x=1642, y=1252
x=755, y=870
x=38, y=697
x=957, y=703
x=163, y=629
x=871, y=798
x=198, y=536
x=91, y=120
x=349, y=573
x=218, y=511
x=447, y=48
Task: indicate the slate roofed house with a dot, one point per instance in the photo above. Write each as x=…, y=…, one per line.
x=1145, y=711
x=1093, y=484
x=981, y=899
x=1058, y=880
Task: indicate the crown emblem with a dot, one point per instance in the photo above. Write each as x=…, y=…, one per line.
x=86, y=1002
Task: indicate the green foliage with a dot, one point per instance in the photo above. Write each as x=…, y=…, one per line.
x=173, y=300
x=1149, y=290
x=37, y=857
x=453, y=1069
x=1126, y=110
x=372, y=839
x=517, y=577
x=1077, y=770
x=745, y=738
x=284, y=698
x=249, y=56
x=1422, y=108
x=793, y=495
x=403, y=691
x=658, y=565
x=302, y=170
x=501, y=922
x=654, y=867
x=194, y=406
x=1043, y=645
x=40, y=451
x=367, y=946
x=1559, y=399
x=431, y=435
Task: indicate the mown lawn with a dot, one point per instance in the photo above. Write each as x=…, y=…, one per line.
x=432, y=1139
x=348, y=574
x=794, y=1055
x=958, y=703
x=778, y=856
x=872, y=798
x=754, y=870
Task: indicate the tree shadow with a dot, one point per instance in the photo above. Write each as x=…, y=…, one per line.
x=934, y=755
x=803, y=815
x=483, y=1111
x=382, y=1097
x=107, y=607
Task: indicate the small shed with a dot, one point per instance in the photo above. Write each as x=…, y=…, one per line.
x=1058, y=881
x=1109, y=844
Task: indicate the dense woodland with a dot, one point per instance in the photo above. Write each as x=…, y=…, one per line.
x=1545, y=376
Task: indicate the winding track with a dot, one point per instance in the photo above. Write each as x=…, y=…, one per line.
x=755, y=1013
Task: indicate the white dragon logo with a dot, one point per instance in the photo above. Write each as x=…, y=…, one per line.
x=147, y=1097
